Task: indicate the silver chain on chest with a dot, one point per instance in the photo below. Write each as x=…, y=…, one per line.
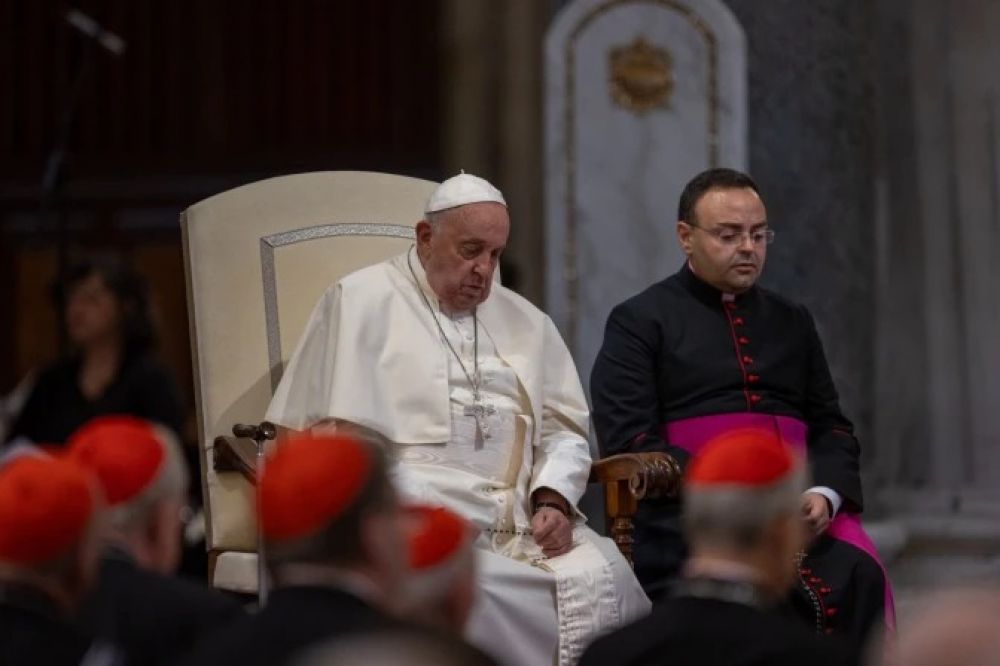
x=479, y=409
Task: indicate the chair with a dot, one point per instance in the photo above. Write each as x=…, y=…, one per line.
x=257, y=259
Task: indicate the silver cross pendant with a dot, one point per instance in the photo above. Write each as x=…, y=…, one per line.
x=479, y=410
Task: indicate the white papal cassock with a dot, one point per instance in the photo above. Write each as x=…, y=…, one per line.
x=372, y=354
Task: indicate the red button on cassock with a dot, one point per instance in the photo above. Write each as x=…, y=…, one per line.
x=753, y=379
x=744, y=340
x=747, y=359
x=738, y=321
x=754, y=398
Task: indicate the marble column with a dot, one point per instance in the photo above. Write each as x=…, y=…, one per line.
x=811, y=128
x=939, y=315
x=492, y=57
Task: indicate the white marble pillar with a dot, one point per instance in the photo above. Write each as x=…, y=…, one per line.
x=640, y=95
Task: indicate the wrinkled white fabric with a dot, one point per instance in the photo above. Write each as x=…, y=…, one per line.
x=372, y=354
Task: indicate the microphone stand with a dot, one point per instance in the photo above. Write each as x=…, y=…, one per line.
x=54, y=177
x=259, y=434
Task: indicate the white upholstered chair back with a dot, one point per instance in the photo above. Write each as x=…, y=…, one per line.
x=257, y=259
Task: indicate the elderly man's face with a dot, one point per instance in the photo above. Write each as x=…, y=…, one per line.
x=725, y=242
x=460, y=252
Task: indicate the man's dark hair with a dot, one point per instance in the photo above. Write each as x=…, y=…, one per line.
x=339, y=542
x=726, y=179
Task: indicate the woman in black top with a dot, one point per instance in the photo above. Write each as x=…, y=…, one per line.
x=110, y=368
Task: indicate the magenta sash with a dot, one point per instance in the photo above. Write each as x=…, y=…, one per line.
x=692, y=434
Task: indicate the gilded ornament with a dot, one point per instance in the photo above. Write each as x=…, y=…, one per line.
x=641, y=76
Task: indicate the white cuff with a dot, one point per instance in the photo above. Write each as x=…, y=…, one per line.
x=835, y=499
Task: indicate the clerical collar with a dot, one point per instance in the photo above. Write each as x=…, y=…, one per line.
x=352, y=582
x=722, y=580
x=118, y=553
x=728, y=591
x=706, y=292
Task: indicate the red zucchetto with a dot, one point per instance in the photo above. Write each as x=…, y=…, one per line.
x=45, y=506
x=123, y=452
x=308, y=482
x=745, y=457
x=435, y=536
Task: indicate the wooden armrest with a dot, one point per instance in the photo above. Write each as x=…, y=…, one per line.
x=647, y=474
x=234, y=454
x=239, y=453
x=628, y=478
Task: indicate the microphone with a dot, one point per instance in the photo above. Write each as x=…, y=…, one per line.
x=265, y=430
x=93, y=29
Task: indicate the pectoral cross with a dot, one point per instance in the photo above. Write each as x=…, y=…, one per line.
x=479, y=410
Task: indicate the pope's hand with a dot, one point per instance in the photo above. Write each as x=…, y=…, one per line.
x=816, y=511
x=552, y=531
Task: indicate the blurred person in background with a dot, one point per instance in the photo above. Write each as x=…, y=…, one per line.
x=49, y=541
x=334, y=546
x=957, y=627
x=110, y=367
x=400, y=648
x=441, y=585
x=138, y=604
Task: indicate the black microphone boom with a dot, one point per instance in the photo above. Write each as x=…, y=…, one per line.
x=93, y=29
x=53, y=178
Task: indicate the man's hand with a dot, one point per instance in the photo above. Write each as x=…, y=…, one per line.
x=551, y=528
x=816, y=511
x=552, y=531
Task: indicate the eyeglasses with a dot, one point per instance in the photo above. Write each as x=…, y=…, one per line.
x=733, y=237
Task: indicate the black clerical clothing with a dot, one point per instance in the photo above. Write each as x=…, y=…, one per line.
x=840, y=590
x=33, y=630
x=696, y=631
x=56, y=407
x=152, y=618
x=680, y=350
x=295, y=617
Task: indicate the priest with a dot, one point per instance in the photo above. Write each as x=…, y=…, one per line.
x=482, y=405
x=707, y=350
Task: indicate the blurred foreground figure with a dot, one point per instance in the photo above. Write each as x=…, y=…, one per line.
x=742, y=519
x=441, y=584
x=49, y=541
x=482, y=405
x=137, y=605
x=398, y=648
x=956, y=627
x=334, y=547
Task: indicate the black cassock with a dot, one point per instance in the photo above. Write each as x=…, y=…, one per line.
x=34, y=630
x=299, y=618
x=151, y=618
x=681, y=358
x=294, y=619
x=697, y=631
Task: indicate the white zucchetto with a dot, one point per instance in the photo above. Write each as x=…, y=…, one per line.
x=461, y=190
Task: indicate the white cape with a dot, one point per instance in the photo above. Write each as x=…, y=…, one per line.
x=372, y=355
